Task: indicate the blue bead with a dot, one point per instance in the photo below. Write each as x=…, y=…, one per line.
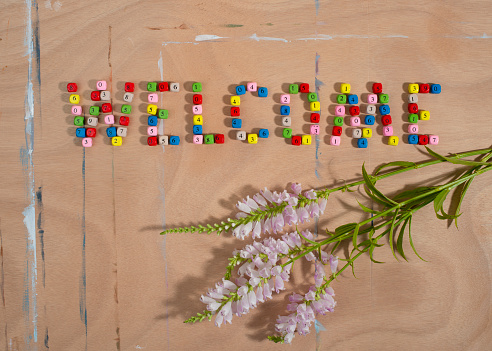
x=237, y=123
x=435, y=88
x=197, y=129
x=362, y=143
x=111, y=132
x=263, y=133
x=369, y=120
x=80, y=132
x=285, y=110
x=262, y=92
x=352, y=99
x=240, y=90
x=152, y=121
x=384, y=110
x=413, y=139
x=174, y=140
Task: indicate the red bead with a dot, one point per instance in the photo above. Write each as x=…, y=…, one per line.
x=152, y=141
x=124, y=120
x=96, y=95
x=129, y=87
x=386, y=120
x=423, y=139
x=413, y=108
x=315, y=117
x=337, y=131
x=197, y=99
x=296, y=140
x=106, y=107
x=424, y=88
x=219, y=138
x=354, y=110
x=71, y=87
x=304, y=88
x=90, y=132
x=235, y=111
x=163, y=86
x=377, y=88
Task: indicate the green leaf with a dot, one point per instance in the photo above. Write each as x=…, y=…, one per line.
x=366, y=209
x=412, y=193
x=392, y=228
x=403, y=164
x=399, y=243
x=439, y=200
x=372, y=188
x=354, y=235
x=457, y=161
x=410, y=239
x=462, y=196
x=344, y=229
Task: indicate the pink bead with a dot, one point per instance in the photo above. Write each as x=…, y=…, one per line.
x=197, y=109
x=339, y=110
x=87, y=142
x=109, y=119
x=251, y=86
x=101, y=85
x=315, y=129
x=153, y=98
x=197, y=139
x=76, y=110
x=335, y=140
x=152, y=131
x=355, y=121
x=372, y=99
x=285, y=98
x=387, y=130
x=433, y=139
x=413, y=128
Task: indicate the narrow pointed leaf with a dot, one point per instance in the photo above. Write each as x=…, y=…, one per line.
x=403, y=164
x=372, y=188
x=411, y=241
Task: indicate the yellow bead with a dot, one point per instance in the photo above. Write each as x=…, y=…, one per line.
x=366, y=132
x=413, y=88
x=315, y=106
x=198, y=120
x=393, y=140
x=152, y=109
x=235, y=100
x=345, y=88
x=116, y=141
x=424, y=115
x=306, y=140
x=252, y=138
x=74, y=98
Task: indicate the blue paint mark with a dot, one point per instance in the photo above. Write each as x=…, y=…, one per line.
x=39, y=203
x=317, y=83
x=83, y=278
x=316, y=3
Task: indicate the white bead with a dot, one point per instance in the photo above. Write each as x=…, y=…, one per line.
x=174, y=87
x=286, y=121
x=121, y=131
x=371, y=109
x=128, y=97
x=92, y=121
x=105, y=95
x=356, y=133
x=241, y=135
x=413, y=98
x=164, y=139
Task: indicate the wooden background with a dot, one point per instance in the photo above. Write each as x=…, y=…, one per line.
x=82, y=264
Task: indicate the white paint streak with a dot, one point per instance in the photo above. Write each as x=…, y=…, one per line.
x=159, y=65
x=131, y=41
x=483, y=36
x=57, y=6
x=257, y=38
x=208, y=37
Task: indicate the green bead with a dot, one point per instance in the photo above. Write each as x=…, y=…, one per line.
x=163, y=114
x=94, y=110
x=342, y=99
x=383, y=98
x=151, y=86
x=312, y=97
x=293, y=89
x=197, y=87
x=287, y=133
x=78, y=121
x=338, y=121
x=413, y=118
x=126, y=109
x=208, y=139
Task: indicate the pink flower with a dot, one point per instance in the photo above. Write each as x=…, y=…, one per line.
x=310, y=194
x=296, y=188
x=333, y=263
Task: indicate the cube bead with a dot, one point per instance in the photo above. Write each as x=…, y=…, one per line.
x=262, y=92
x=252, y=86
x=151, y=86
x=235, y=100
x=78, y=121
x=152, y=121
x=314, y=129
x=129, y=87
x=174, y=140
x=306, y=140
x=124, y=120
x=87, y=142
x=240, y=90
x=413, y=98
x=197, y=99
x=163, y=139
x=304, y=88
x=109, y=119
x=285, y=98
x=71, y=87
x=152, y=109
x=354, y=110
x=336, y=131
x=286, y=121
x=377, y=88
x=424, y=115
x=413, y=128
x=296, y=140
x=197, y=109
x=126, y=109
x=285, y=110
x=174, y=87
x=339, y=110
x=393, y=140
x=198, y=120
x=424, y=88
x=252, y=138
x=362, y=143
x=353, y=99
x=197, y=129
x=163, y=86
x=237, y=123
x=106, y=108
x=388, y=131
x=128, y=97
x=357, y=133
x=74, y=99
x=335, y=140
x=433, y=139
x=341, y=99
x=263, y=133
x=219, y=138
x=435, y=88
x=338, y=121
x=76, y=110
x=92, y=121
x=293, y=89
x=413, y=108
x=386, y=120
x=314, y=118
x=235, y=111
x=413, y=139
x=111, y=132
x=413, y=118
x=413, y=88
x=371, y=109
x=423, y=140
x=198, y=139
x=105, y=95
x=372, y=99
x=345, y=88
x=121, y=131
x=367, y=132
x=354, y=121
x=287, y=133
x=240, y=134
x=314, y=106
x=369, y=120
x=384, y=109
x=383, y=98
x=152, y=98
x=312, y=97
x=94, y=110
x=152, y=141
x=101, y=85
x=197, y=87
